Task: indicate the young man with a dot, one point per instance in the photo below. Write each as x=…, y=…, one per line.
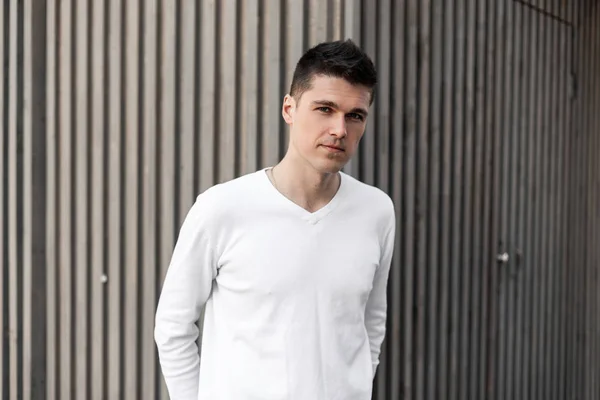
x=291, y=262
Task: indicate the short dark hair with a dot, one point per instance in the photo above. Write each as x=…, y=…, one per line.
x=339, y=59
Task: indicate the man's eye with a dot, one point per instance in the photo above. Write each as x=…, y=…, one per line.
x=356, y=116
x=324, y=109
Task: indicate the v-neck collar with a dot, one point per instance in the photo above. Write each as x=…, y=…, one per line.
x=310, y=217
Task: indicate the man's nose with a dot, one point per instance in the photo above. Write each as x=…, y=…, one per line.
x=339, y=127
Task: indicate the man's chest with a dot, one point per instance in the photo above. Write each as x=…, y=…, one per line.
x=283, y=258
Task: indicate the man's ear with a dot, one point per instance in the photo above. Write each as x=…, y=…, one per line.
x=288, y=109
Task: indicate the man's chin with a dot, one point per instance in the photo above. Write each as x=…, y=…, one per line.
x=331, y=167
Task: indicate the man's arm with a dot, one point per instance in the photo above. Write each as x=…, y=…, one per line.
x=186, y=288
x=376, y=310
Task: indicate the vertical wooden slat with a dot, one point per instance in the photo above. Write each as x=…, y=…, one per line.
x=445, y=223
x=479, y=225
x=337, y=14
x=519, y=149
x=494, y=328
x=272, y=98
x=352, y=30
x=15, y=208
x=503, y=135
x=544, y=266
x=487, y=250
x=534, y=261
x=578, y=250
x=295, y=31
x=528, y=256
x=555, y=183
x=591, y=205
x=352, y=15
x=131, y=200
x=227, y=89
x=382, y=60
x=3, y=223
x=564, y=186
x=396, y=338
x=168, y=226
x=580, y=371
x=98, y=205
x=540, y=209
x=295, y=35
x=168, y=122
x=187, y=54
x=148, y=367
x=31, y=167
x=27, y=178
x=465, y=335
x=81, y=201
x=207, y=92
x=570, y=215
x=33, y=291
x=595, y=315
x=515, y=180
x=317, y=21
x=553, y=295
x=456, y=165
x=435, y=172
x=249, y=126
x=421, y=204
x=52, y=362
x=369, y=45
x=586, y=284
x=13, y=312
x=115, y=199
x=574, y=209
x=570, y=218
x=592, y=154
x=595, y=312
x=65, y=153
x=409, y=156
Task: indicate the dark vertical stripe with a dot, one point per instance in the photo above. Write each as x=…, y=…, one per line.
x=457, y=264
x=521, y=107
x=512, y=179
x=478, y=221
x=408, y=230
x=529, y=129
x=382, y=58
x=447, y=118
x=434, y=200
x=503, y=209
x=467, y=199
x=396, y=335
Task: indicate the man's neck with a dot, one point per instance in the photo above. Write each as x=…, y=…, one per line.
x=303, y=185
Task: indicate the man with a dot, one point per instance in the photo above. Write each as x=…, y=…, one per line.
x=291, y=262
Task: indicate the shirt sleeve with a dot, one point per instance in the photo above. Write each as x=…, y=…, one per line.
x=376, y=310
x=185, y=290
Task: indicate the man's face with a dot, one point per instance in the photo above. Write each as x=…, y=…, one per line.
x=327, y=122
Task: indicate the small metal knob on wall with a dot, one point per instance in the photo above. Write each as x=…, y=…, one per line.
x=503, y=258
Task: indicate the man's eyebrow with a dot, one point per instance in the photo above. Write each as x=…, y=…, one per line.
x=332, y=104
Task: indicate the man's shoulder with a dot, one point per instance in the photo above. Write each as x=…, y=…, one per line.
x=231, y=191
x=369, y=196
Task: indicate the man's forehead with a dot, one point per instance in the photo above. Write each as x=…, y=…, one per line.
x=337, y=90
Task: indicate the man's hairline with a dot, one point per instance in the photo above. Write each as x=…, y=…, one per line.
x=299, y=94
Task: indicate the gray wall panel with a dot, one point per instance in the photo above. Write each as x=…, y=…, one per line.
x=115, y=115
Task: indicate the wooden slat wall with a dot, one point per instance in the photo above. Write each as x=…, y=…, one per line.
x=115, y=114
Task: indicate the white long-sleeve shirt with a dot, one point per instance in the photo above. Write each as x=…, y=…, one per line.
x=295, y=301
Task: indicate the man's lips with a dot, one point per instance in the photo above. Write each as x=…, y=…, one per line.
x=333, y=148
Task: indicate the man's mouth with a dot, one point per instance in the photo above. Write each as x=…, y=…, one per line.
x=333, y=148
